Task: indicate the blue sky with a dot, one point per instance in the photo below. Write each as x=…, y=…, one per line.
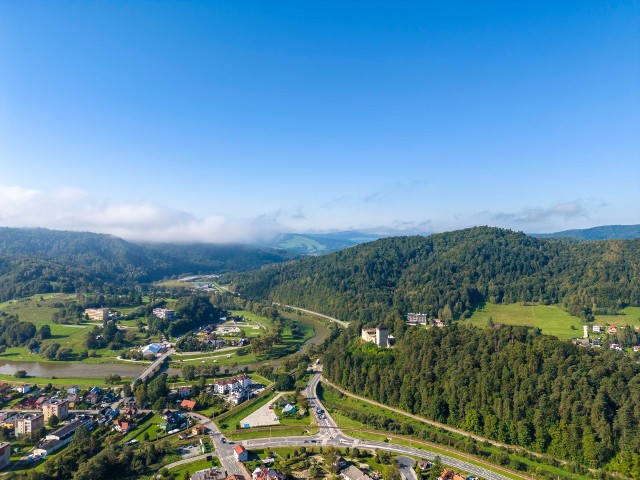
x=228, y=121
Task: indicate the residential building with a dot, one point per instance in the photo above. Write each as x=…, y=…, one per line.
x=26, y=423
x=199, y=430
x=24, y=388
x=612, y=329
x=234, y=384
x=597, y=329
x=212, y=473
x=417, y=318
x=354, y=473
x=59, y=408
x=184, y=391
x=98, y=314
x=378, y=335
x=60, y=437
x=188, y=404
x=5, y=454
x=164, y=313
x=264, y=473
x=122, y=426
x=616, y=346
x=241, y=453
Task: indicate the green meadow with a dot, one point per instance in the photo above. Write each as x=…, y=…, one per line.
x=628, y=316
x=550, y=319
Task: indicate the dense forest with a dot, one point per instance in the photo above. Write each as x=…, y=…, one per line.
x=42, y=261
x=513, y=385
x=450, y=274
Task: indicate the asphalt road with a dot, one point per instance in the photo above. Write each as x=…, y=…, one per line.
x=406, y=465
x=329, y=435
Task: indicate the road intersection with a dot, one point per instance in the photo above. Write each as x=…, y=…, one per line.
x=329, y=435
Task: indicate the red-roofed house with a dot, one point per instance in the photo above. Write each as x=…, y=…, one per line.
x=121, y=426
x=241, y=453
x=188, y=404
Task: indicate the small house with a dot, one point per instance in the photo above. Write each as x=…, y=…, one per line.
x=241, y=453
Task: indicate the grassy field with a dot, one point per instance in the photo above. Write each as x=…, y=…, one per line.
x=264, y=432
x=193, y=467
x=227, y=358
x=552, y=320
x=58, y=382
x=628, y=316
x=39, y=309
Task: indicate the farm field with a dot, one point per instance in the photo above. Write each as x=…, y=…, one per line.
x=552, y=320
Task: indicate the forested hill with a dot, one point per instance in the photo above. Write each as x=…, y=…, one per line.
x=513, y=385
x=41, y=261
x=605, y=232
x=449, y=274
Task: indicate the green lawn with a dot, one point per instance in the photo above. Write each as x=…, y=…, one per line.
x=39, y=309
x=263, y=432
x=193, y=467
x=58, y=382
x=552, y=320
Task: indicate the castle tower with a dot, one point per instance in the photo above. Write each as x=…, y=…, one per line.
x=382, y=335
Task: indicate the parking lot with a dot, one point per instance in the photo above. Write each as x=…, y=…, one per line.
x=263, y=417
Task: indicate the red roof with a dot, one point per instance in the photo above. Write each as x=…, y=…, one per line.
x=190, y=404
x=239, y=449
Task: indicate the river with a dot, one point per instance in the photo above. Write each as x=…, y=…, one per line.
x=130, y=370
x=75, y=370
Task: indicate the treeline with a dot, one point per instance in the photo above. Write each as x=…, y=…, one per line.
x=36, y=261
x=513, y=385
x=450, y=274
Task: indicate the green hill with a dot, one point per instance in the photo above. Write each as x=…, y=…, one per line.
x=41, y=261
x=451, y=274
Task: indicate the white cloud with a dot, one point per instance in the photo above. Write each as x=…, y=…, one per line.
x=68, y=208
x=538, y=215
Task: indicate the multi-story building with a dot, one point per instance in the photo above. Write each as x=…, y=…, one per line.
x=417, y=318
x=59, y=408
x=26, y=423
x=234, y=384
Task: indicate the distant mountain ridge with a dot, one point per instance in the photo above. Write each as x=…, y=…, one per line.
x=320, y=243
x=37, y=260
x=604, y=232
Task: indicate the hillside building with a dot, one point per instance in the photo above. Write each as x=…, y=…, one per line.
x=378, y=335
x=417, y=318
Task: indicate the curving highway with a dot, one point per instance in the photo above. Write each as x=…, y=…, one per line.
x=329, y=435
